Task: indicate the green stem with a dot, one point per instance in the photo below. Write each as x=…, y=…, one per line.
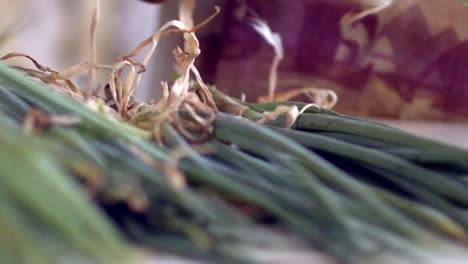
x=241, y=131
x=433, y=181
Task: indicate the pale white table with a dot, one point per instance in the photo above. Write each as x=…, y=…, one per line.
x=453, y=133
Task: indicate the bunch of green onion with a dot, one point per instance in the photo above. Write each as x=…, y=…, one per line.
x=346, y=186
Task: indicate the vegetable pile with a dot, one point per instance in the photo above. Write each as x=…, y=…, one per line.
x=200, y=173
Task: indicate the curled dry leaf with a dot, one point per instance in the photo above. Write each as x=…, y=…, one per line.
x=93, y=44
x=60, y=79
x=227, y=104
x=292, y=114
x=175, y=177
x=371, y=7
x=274, y=40
x=181, y=95
x=320, y=97
x=93, y=177
x=324, y=98
x=122, y=84
x=124, y=78
x=133, y=195
x=37, y=121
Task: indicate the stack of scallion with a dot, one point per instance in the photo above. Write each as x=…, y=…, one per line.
x=84, y=192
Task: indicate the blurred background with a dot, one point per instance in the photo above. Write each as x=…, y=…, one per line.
x=407, y=62
x=56, y=32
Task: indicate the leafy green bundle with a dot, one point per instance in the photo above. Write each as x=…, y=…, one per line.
x=346, y=186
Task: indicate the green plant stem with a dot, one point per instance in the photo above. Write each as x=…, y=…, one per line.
x=241, y=131
x=433, y=181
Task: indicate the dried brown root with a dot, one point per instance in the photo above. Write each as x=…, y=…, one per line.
x=175, y=177
x=274, y=40
x=125, y=75
x=92, y=45
x=37, y=121
x=373, y=7
x=325, y=98
x=292, y=114
x=91, y=176
x=181, y=96
x=61, y=79
x=174, y=98
x=133, y=195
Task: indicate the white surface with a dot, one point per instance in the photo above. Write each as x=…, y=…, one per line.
x=452, y=133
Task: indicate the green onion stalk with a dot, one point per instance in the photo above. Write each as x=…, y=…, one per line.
x=344, y=185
